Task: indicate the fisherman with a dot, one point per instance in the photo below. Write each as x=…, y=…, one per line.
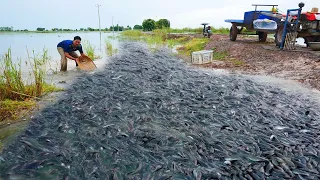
x=67, y=49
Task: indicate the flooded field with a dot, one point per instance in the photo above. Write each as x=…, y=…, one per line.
x=22, y=43
x=150, y=116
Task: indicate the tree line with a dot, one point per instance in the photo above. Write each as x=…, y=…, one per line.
x=150, y=24
x=147, y=25
x=41, y=29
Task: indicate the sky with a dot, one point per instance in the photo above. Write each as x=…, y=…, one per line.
x=75, y=14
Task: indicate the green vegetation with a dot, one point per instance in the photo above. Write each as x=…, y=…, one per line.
x=196, y=44
x=186, y=30
x=137, y=27
x=148, y=25
x=237, y=62
x=15, y=92
x=220, y=55
x=134, y=34
x=12, y=109
x=89, y=49
x=163, y=23
x=110, y=51
x=223, y=56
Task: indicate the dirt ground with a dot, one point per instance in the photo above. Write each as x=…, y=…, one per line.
x=302, y=64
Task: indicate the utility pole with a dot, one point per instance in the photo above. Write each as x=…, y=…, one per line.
x=98, y=5
x=112, y=27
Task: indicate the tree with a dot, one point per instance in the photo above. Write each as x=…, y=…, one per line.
x=41, y=29
x=6, y=28
x=149, y=25
x=137, y=27
x=163, y=23
x=128, y=28
x=90, y=29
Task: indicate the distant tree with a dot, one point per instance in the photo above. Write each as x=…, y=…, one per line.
x=149, y=25
x=41, y=29
x=6, y=28
x=116, y=27
x=90, y=29
x=128, y=28
x=106, y=29
x=163, y=23
x=26, y=30
x=55, y=29
x=137, y=27
x=81, y=29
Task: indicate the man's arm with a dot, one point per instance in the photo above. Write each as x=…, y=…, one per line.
x=70, y=57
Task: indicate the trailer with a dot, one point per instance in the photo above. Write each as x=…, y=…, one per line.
x=247, y=22
x=290, y=26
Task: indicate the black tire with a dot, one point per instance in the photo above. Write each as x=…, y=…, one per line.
x=278, y=35
x=262, y=36
x=233, y=32
x=311, y=39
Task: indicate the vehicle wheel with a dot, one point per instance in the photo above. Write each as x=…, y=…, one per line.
x=262, y=36
x=306, y=41
x=278, y=35
x=233, y=32
x=311, y=39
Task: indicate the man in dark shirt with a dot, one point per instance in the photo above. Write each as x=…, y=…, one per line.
x=67, y=49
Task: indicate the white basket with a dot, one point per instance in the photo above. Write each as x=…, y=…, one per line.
x=202, y=57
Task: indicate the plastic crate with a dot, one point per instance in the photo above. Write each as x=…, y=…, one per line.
x=202, y=57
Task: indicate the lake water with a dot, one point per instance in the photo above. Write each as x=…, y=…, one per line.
x=22, y=43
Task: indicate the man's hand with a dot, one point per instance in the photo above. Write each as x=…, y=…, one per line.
x=70, y=57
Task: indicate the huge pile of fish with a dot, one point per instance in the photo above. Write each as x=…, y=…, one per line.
x=149, y=116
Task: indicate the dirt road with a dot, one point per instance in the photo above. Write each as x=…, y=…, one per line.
x=264, y=58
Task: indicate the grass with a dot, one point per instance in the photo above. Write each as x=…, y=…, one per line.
x=89, y=49
x=220, y=30
x=12, y=108
x=132, y=33
x=223, y=56
x=196, y=44
x=186, y=30
x=220, y=55
x=15, y=91
x=110, y=51
x=237, y=62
